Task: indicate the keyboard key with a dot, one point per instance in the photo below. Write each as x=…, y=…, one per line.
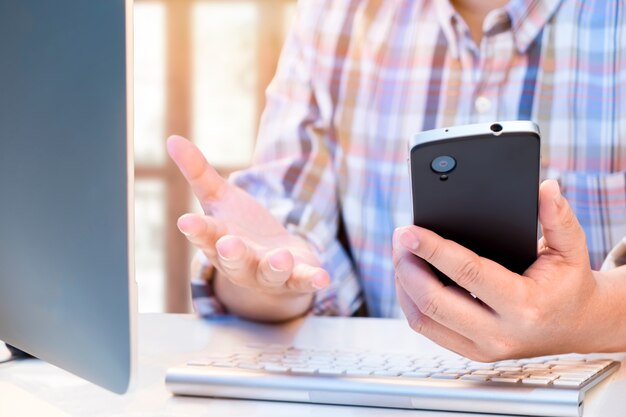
x=538, y=371
x=424, y=363
x=565, y=361
x=453, y=364
x=445, y=376
x=507, y=364
x=512, y=380
x=574, y=375
x=218, y=356
x=224, y=364
x=250, y=365
x=304, y=370
x=567, y=382
x=537, y=381
x=475, y=377
x=584, y=368
x=600, y=362
x=415, y=374
x=529, y=361
x=296, y=355
x=455, y=370
x=514, y=374
x=358, y=372
x=321, y=358
x=277, y=347
x=373, y=364
x=508, y=368
x=541, y=375
x=400, y=370
x=199, y=362
x=370, y=369
x=386, y=373
x=429, y=369
x=478, y=368
x=330, y=371
x=486, y=373
x=271, y=358
x=270, y=363
x=275, y=368
x=403, y=365
x=531, y=366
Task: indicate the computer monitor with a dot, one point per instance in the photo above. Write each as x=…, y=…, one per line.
x=66, y=219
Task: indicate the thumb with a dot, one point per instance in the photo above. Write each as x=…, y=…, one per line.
x=562, y=232
x=208, y=186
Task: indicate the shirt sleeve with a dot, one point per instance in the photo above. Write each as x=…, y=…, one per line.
x=617, y=256
x=293, y=170
x=204, y=301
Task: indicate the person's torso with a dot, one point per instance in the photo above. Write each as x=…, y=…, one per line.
x=405, y=66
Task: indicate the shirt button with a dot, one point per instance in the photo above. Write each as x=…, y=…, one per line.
x=482, y=104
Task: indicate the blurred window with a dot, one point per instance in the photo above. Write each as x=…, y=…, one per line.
x=201, y=69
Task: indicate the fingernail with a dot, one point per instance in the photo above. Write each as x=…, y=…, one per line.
x=184, y=232
x=183, y=223
x=319, y=282
x=274, y=267
x=318, y=286
x=223, y=251
x=394, y=237
x=220, y=253
x=409, y=240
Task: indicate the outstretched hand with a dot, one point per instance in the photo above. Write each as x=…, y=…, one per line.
x=239, y=236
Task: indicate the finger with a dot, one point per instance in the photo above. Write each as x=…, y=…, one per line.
x=562, y=232
x=275, y=268
x=206, y=183
x=237, y=261
x=429, y=328
x=306, y=278
x=492, y=283
x=460, y=313
x=202, y=231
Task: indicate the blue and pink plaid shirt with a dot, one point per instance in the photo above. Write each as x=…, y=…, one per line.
x=358, y=78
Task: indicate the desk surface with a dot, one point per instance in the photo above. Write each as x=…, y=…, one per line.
x=32, y=387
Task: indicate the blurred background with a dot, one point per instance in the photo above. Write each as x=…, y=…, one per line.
x=201, y=69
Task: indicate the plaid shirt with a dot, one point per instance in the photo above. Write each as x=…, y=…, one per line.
x=358, y=78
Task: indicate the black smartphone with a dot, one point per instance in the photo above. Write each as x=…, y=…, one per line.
x=478, y=185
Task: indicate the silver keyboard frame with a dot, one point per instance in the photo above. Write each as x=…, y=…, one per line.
x=380, y=391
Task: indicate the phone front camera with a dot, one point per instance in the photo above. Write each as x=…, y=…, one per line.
x=443, y=164
x=496, y=128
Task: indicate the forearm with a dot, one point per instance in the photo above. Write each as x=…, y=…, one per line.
x=254, y=305
x=607, y=318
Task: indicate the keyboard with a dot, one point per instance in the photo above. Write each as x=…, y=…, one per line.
x=543, y=386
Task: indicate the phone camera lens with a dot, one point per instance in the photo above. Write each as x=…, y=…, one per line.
x=443, y=164
x=496, y=128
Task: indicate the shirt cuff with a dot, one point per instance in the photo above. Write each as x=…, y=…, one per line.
x=204, y=301
x=615, y=258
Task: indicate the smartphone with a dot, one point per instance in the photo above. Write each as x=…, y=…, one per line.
x=478, y=185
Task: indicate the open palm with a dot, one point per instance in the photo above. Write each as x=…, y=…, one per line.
x=239, y=236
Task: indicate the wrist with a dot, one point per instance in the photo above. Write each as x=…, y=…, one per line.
x=255, y=305
x=605, y=318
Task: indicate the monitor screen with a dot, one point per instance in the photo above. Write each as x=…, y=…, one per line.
x=66, y=264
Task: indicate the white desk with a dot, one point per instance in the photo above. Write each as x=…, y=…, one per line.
x=34, y=388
